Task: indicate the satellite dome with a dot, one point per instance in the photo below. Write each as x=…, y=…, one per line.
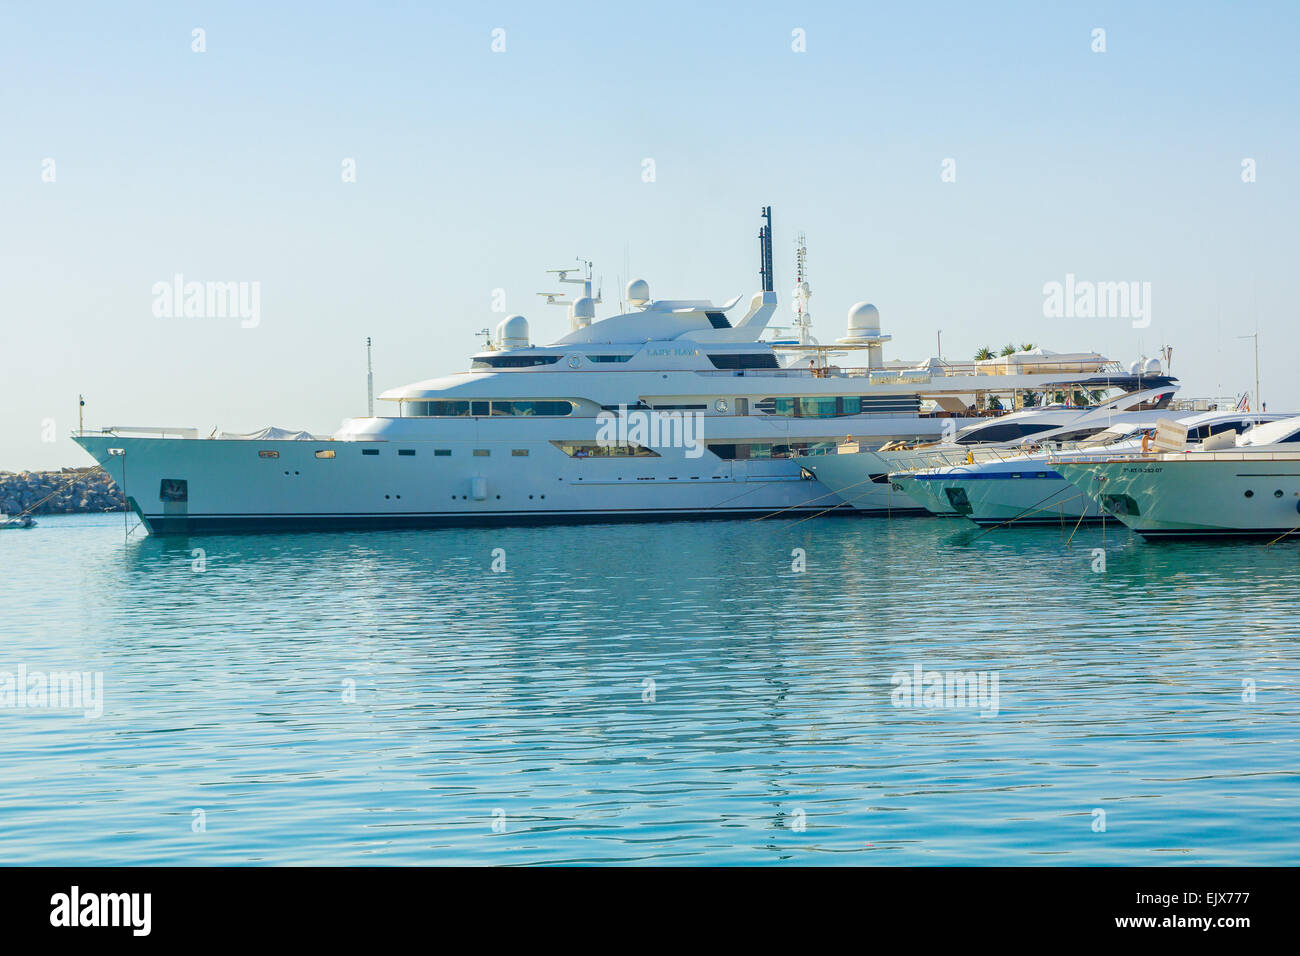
x=1135, y=368
x=582, y=312
x=864, y=317
x=638, y=292
x=512, y=333
x=1152, y=367
x=864, y=330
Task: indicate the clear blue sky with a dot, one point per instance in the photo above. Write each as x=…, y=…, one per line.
x=479, y=170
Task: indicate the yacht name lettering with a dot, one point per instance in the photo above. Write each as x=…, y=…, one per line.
x=681, y=352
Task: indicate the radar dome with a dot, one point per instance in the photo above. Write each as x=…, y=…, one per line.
x=638, y=292
x=1152, y=367
x=864, y=331
x=1135, y=368
x=512, y=333
x=582, y=312
x=864, y=317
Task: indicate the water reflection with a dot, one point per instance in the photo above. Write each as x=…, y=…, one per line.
x=379, y=697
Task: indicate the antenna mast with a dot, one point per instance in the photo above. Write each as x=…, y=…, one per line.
x=370, y=382
x=765, y=251
x=802, y=291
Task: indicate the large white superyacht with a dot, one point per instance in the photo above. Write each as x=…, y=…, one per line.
x=672, y=409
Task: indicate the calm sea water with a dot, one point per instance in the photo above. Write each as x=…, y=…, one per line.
x=667, y=693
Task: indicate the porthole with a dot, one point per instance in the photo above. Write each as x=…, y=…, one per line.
x=1249, y=493
x=1278, y=493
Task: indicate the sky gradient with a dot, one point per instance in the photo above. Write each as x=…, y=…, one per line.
x=478, y=170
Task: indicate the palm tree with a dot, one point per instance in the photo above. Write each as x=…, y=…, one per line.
x=1027, y=347
x=984, y=353
x=1009, y=349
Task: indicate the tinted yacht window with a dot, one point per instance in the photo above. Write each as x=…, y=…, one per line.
x=514, y=361
x=745, y=360
x=1003, y=431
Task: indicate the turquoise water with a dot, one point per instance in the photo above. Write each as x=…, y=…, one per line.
x=508, y=718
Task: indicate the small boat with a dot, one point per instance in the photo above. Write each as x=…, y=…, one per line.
x=21, y=521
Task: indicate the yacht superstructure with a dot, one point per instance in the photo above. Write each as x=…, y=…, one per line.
x=677, y=408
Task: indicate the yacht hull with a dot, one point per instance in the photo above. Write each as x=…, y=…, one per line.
x=1200, y=495
x=996, y=498
x=188, y=486
x=862, y=480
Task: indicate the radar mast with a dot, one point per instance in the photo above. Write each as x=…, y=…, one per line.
x=802, y=291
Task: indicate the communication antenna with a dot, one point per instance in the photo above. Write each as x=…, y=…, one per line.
x=370, y=382
x=765, y=251
x=802, y=291
x=81, y=414
x=627, y=273
x=1255, y=335
x=556, y=298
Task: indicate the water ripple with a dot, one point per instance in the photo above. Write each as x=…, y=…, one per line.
x=672, y=694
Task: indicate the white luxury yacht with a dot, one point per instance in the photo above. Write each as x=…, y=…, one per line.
x=674, y=409
x=1027, y=488
x=1228, y=488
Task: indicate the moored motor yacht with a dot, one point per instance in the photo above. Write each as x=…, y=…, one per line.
x=676, y=408
x=860, y=474
x=1027, y=488
x=1249, y=487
